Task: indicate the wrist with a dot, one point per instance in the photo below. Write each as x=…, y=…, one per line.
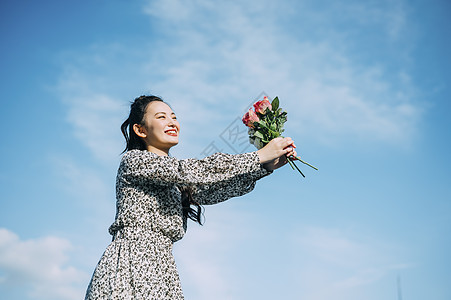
x=262, y=157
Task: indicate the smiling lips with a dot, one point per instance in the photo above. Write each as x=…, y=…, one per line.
x=171, y=132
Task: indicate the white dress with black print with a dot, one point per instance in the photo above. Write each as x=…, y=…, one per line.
x=138, y=264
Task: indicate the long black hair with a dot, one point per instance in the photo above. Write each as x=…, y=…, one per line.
x=133, y=141
x=137, y=112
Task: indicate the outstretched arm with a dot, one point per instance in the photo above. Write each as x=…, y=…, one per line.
x=146, y=168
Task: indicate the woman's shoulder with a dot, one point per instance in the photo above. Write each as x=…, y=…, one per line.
x=136, y=156
x=137, y=152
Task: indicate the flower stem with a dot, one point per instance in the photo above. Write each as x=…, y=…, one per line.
x=297, y=157
x=291, y=163
x=290, y=160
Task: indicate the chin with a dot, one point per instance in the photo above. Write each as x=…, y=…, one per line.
x=173, y=143
x=169, y=142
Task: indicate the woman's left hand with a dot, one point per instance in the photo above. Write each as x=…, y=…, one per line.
x=280, y=161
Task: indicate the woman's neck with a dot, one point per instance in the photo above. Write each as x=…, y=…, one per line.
x=159, y=152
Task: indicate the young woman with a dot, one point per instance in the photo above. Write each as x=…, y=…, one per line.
x=156, y=194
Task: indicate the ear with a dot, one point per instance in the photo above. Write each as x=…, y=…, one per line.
x=140, y=130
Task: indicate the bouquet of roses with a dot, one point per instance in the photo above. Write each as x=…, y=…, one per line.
x=265, y=123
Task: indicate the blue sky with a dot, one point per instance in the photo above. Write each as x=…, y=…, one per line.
x=367, y=89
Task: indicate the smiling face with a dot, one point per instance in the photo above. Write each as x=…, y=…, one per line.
x=161, y=129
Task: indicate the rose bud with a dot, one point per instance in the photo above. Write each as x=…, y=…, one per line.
x=262, y=105
x=249, y=118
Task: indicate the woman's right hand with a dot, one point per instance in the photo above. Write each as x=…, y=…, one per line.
x=277, y=149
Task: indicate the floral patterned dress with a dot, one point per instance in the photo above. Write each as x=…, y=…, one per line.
x=138, y=264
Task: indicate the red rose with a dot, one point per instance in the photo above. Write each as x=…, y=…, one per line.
x=249, y=118
x=262, y=105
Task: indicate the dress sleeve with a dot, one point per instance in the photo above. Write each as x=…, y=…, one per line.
x=218, y=169
x=233, y=187
x=222, y=191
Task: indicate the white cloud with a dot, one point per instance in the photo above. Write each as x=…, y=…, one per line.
x=96, y=119
x=39, y=265
x=210, y=59
x=389, y=15
x=87, y=185
x=237, y=252
x=336, y=264
x=92, y=119
x=238, y=47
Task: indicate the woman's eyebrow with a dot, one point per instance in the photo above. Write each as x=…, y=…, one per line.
x=162, y=112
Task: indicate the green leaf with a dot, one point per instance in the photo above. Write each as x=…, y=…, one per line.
x=259, y=134
x=275, y=104
x=273, y=127
x=262, y=124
